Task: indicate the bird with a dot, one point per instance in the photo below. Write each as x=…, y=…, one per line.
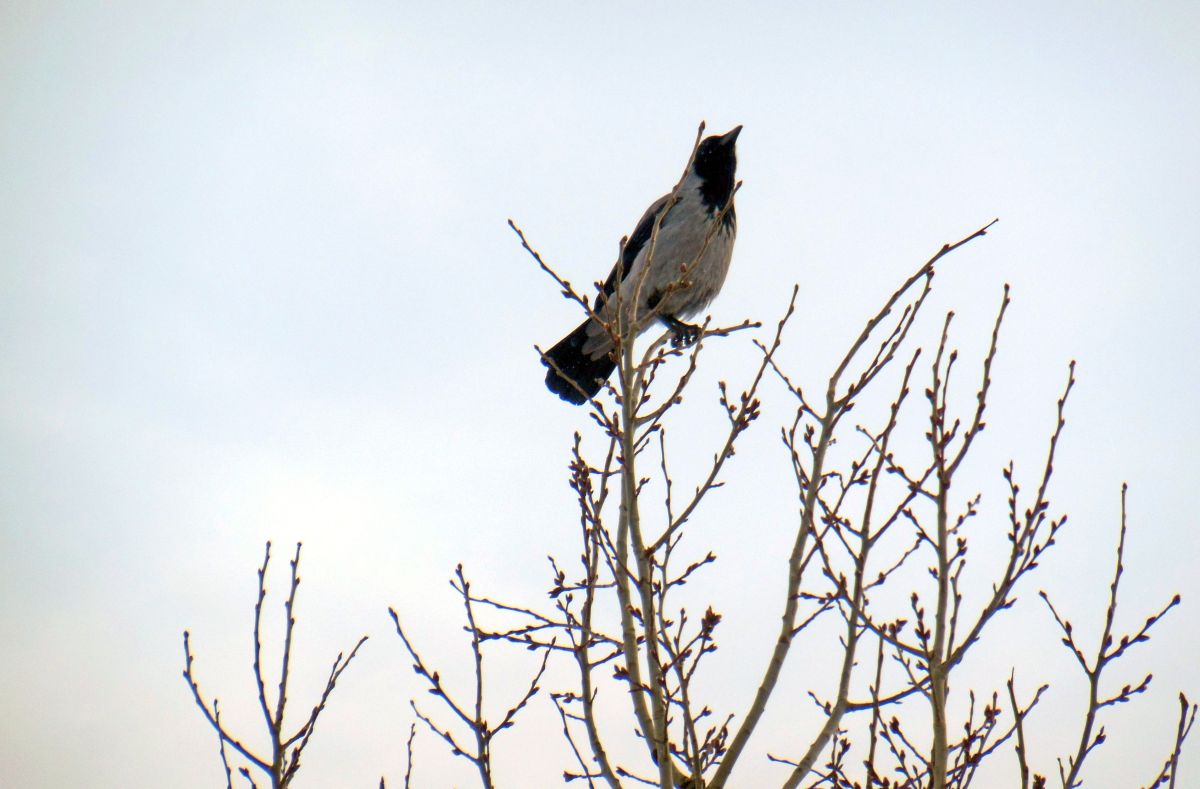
x=671, y=279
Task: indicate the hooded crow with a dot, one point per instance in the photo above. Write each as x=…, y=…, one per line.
x=671, y=279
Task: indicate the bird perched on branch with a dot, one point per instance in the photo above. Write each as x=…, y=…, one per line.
x=669, y=273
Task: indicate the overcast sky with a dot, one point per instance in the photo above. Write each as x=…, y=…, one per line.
x=256, y=283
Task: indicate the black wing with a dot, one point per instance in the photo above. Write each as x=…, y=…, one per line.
x=640, y=238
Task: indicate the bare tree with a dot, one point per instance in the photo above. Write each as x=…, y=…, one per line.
x=472, y=715
x=1109, y=650
x=880, y=552
x=283, y=763
x=867, y=518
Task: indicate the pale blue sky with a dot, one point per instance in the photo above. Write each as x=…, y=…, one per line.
x=255, y=282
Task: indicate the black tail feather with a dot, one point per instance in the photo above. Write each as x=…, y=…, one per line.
x=573, y=376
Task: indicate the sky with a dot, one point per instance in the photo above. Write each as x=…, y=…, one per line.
x=256, y=283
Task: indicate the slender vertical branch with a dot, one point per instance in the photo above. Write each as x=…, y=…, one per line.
x=282, y=767
x=1187, y=716
x=935, y=657
x=1109, y=650
x=408, y=762
x=277, y=746
x=472, y=715
x=258, y=670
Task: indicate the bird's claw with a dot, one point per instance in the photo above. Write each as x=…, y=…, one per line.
x=683, y=334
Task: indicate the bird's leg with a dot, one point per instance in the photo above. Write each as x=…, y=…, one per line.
x=683, y=334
